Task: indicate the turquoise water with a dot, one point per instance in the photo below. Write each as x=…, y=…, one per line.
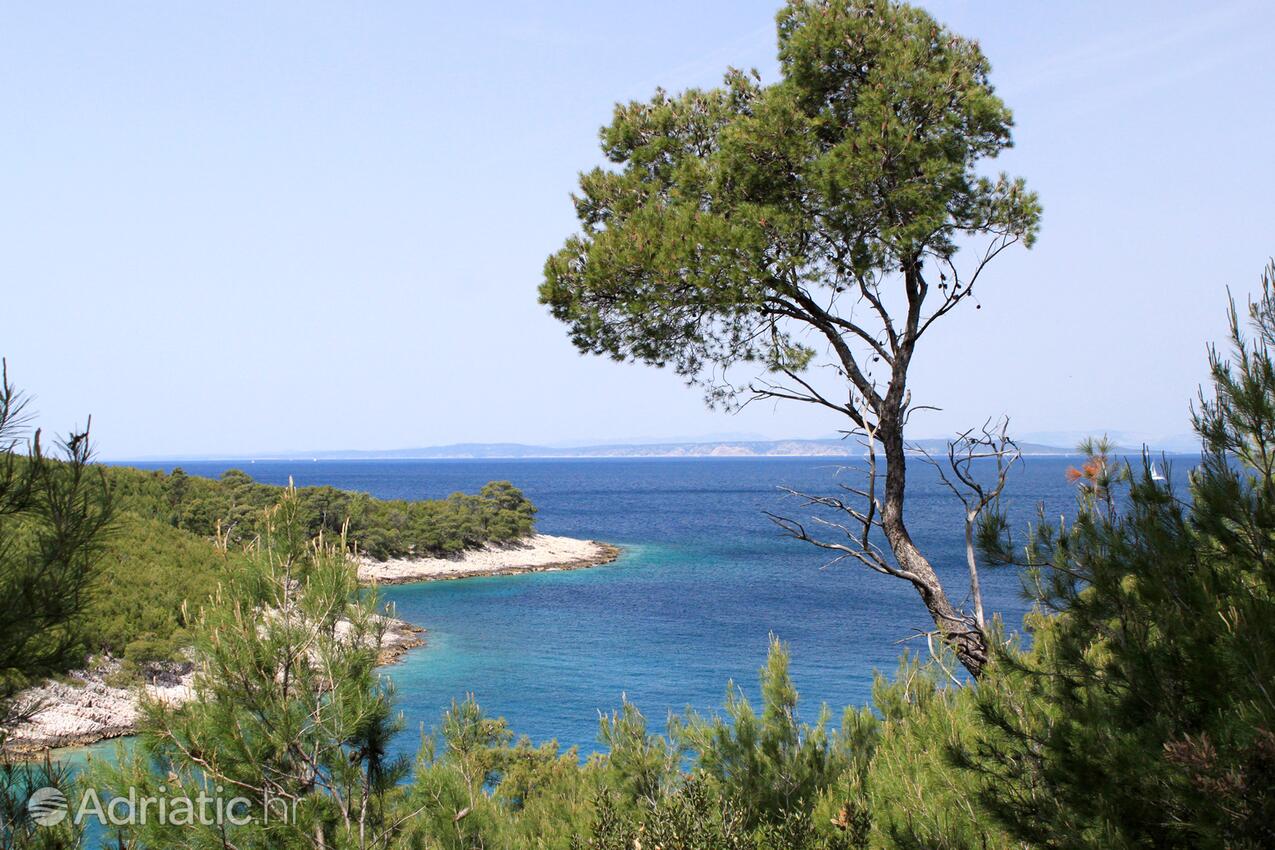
x=704, y=579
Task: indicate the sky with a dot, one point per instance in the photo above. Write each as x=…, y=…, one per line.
x=240, y=227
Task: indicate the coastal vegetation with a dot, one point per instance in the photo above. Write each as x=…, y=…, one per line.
x=1137, y=715
x=115, y=560
x=288, y=704
x=1136, y=709
x=177, y=537
x=54, y=515
x=231, y=506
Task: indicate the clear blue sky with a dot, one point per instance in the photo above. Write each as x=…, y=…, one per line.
x=244, y=227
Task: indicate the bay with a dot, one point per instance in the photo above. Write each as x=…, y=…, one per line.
x=705, y=579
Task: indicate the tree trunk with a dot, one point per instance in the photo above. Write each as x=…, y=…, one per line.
x=960, y=633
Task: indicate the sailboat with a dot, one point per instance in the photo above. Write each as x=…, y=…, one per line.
x=1156, y=475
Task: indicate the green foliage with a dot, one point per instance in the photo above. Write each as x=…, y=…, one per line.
x=54, y=517
x=383, y=528
x=915, y=796
x=148, y=573
x=690, y=817
x=177, y=537
x=640, y=766
x=18, y=781
x=1143, y=714
x=736, y=210
x=757, y=780
x=289, y=709
x=771, y=765
x=479, y=791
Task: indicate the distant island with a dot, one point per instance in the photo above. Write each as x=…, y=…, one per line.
x=817, y=447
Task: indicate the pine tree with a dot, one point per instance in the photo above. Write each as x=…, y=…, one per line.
x=289, y=712
x=54, y=516
x=1144, y=714
x=816, y=220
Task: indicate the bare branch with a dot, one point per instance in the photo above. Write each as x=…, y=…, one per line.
x=990, y=442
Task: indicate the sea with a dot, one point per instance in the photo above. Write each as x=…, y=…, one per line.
x=704, y=582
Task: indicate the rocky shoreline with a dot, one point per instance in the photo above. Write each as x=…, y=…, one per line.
x=537, y=553
x=91, y=705
x=99, y=703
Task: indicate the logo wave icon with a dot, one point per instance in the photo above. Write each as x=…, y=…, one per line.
x=47, y=806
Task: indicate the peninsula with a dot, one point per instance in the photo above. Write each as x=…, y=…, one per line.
x=177, y=537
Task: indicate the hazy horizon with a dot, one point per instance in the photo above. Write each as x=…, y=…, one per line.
x=256, y=226
x=1181, y=443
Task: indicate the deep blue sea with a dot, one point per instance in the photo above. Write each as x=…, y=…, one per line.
x=705, y=578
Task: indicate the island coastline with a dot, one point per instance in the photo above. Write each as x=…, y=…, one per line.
x=91, y=705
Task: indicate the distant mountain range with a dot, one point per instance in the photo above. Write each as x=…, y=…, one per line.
x=827, y=447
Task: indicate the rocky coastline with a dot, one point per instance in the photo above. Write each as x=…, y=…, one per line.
x=537, y=553
x=103, y=702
